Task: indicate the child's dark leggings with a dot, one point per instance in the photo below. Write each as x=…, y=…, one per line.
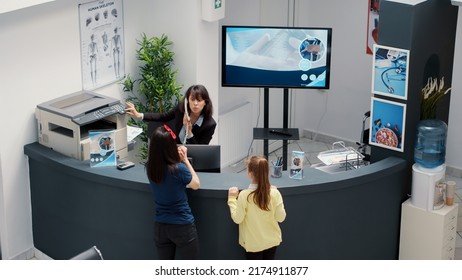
x=267, y=254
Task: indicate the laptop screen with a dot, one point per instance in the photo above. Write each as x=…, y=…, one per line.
x=205, y=158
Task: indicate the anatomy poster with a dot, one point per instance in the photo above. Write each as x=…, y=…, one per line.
x=102, y=47
x=390, y=71
x=387, y=124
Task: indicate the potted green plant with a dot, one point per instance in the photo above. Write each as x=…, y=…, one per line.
x=431, y=94
x=156, y=89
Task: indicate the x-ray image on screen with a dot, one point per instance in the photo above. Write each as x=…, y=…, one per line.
x=287, y=57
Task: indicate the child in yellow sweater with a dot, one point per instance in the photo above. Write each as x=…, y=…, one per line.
x=258, y=210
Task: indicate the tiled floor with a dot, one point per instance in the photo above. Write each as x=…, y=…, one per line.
x=312, y=148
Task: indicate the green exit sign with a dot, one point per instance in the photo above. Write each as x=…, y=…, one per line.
x=218, y=4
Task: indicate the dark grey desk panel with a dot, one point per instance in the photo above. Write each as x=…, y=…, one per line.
x=349, y=215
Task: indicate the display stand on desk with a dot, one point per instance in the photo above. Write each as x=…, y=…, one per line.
x=265, y=133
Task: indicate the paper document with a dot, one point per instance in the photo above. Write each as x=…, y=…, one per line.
x=132, y=132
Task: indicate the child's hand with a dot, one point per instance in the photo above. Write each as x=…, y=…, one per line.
x=233, y=191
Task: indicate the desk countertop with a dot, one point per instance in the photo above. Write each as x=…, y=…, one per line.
x=315, y=179
x=346, y=215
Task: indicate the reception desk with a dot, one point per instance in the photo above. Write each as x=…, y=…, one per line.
x=347, y=215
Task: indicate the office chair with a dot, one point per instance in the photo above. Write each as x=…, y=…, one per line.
x=91, y=254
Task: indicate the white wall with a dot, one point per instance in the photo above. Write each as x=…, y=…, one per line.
x=40, y=57
x=7, y=6
x=2, y=208
x=340, y=110
x=41, y=60
x=235, y=14
x=195, y=43
x=256, y=12
x=454, y=150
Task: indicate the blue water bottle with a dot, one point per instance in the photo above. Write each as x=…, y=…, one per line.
x=430, y=146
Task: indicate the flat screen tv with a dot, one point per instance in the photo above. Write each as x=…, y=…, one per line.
x=276, y=57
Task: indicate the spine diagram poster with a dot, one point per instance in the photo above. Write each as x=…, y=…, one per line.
x=101, y=39
x=387, y=124
x=390, y=71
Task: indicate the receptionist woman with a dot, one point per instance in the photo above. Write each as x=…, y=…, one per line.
x=194, y=126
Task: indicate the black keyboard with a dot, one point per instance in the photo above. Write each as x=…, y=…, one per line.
x=100, y=114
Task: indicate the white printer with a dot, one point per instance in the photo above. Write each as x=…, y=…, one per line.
x=64, y=123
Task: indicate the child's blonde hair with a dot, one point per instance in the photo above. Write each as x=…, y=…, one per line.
x=258, y=167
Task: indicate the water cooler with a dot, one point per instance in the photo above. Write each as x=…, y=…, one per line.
x=428, y=173
x=428, y=226
x=428, y=187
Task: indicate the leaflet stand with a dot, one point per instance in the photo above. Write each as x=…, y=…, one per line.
x=266, y=133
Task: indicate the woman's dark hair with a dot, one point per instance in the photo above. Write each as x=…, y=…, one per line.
x=258, y=166
x=199, y=92
x=163, y=154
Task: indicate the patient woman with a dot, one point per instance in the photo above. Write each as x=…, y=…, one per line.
x=196, y=126
x=170, y=173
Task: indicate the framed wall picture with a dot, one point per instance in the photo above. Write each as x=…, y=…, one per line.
x=372, y=24
x=387, y=124
x=390, y=71
x=101, y=43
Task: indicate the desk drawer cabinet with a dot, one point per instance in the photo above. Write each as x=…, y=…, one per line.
x=428, y=235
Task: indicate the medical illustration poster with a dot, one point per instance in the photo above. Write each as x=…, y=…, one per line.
x=372, y=24
x=102, y=148
x=387, y=123
x=389, y=71
x=297, y=163
x=101, y=39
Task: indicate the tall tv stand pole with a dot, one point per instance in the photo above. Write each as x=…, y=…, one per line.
x=285, y=125
x=284, y=139
x=265, y=119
